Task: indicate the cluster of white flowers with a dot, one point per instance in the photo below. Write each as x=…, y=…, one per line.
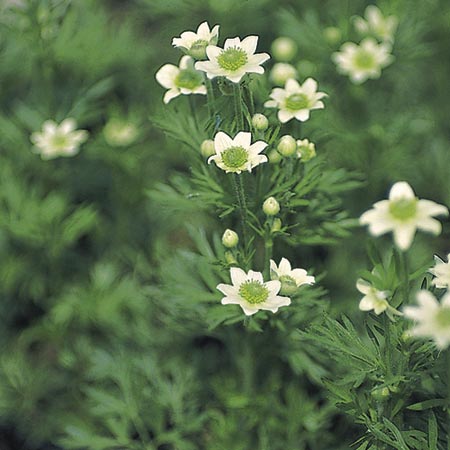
x=252, y=293
x=366, y=60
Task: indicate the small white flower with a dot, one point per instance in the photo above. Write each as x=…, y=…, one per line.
x=373, y=298
x=442, y=273
x=238, y=154
x=363, y=61
x=403, y=214
x=295, y=100
x=251, y=293
x=305, y=150
x=291, y=279
x=233, y=61
x=180, y=80
x=432, y=318
x=376, y=24
x=58, y=140
x=194, y=44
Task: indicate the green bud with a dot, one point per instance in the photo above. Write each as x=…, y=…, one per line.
x=287, y=146
x=284, y=49
x=230, y=238
x=276, y=225
x=274, y=157
x=332, y=35
x=260, y=122
x=281, y=72
x=207, y=148
x=229, y=258
x=271, y=207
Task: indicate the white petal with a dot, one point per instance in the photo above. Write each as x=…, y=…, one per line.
x=203, y=30
x=171, y=94
x=431, y=225
x=254, y=69
x=285, y=266
x=270, y=104
x=427, y=300
x=366, y=304
x=302, y=115
x=249, y=309
x=401, y=190
x=257, y=276
x=166, y=75
x=238, y=276
x=49, y=127
x=309, y=87
x=243, y=139
x=404, y=235
x=301, y=277
x=222, y=141
x=212, y=52
x=234, y=42
x=227, y=289
x=284, y=116
x=68, y=125
x=257, y=147
x=249, y=44
x=273, y=286
x=363, y=286
x=258, y=59
x=292, y=86
x=273, y=268
x=272, y=304
x=429, y=208
x=236, y=78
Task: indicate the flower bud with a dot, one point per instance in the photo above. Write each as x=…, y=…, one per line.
x=271, y=207
x=306, y=150
x=332, y=35
x=288, y=286
x=120, y=133
x=306, y=68
x=281, y=72
x=260, y=122
x=274, y=157
x=198, y=50
x=380, y=393
x=230, y=238
x=229, y=258
x=276, y=225
x=284, y=49
x=207, y=148
x=287, y=146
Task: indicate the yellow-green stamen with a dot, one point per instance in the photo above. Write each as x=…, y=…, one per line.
x=253, y=292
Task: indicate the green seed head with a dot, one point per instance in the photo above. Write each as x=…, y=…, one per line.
x=232, y=59
x=403, y=209
x=198, y=49
x=298, y=101
x=235, y=158
x=188, y=79
x=253, y=292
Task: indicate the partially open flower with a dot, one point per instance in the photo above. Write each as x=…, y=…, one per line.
x=295, y=100
x=233, y=61
x=291, y=279
x=441, y=271
x=180, y=80
x=305, y=150
x=403, y=214
x=238, y=154
x=251, y=293
x=194, y=44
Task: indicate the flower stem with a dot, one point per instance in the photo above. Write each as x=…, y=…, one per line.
x=210, y=98
x=240, y=195
x=268, y=248
x=238, y=106
x=404, y=275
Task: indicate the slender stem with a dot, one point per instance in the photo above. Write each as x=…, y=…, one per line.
x=240, y=195
x=404, y=275
x=210, y=98
x=268, y=248
x=192, y=108
x=387, y=343
x=238, y=106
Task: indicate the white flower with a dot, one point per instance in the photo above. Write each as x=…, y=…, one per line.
x=290, y=279
x=305, y=150
x=442, y=273
x=402, y=214
x=432, y=318
x=373, y=298
x=233, y=61
x=251, y=293
x=238, y=154
x=376, y=24
x=58, y=140
x=362, y=61
x=195, y=44
x=296, y=100
x=180, y=80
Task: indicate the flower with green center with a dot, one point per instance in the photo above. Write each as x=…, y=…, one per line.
x=376, y=24
x=251, y=293
x=374, y=299
x=403, y=214
x=238, y=154
x=194, y=44
x=233, y=61
x=305, y=150
x=363, y=61
x=441, y=271
x=295, y=100
x=58, y=140
x=183, y=79
x=432, y=318
x=291, y=279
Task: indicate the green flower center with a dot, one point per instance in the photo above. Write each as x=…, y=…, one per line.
x=232, y=59
x=60, y=141
x=443, y=317
x=235, y=157
x=253, y=292
x=288, y=285
x=295, y=102
x=188, y=79
x=198, y=49
x=403, y=209
x=364, y=60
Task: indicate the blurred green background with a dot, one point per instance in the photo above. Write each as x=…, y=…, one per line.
x=99, y=348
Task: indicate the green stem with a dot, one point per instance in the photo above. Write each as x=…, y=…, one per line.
x=240, y=195
x=404, y=276
x=238, y=106
x=210, y=98
x=268, y=249
x=387, y=344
